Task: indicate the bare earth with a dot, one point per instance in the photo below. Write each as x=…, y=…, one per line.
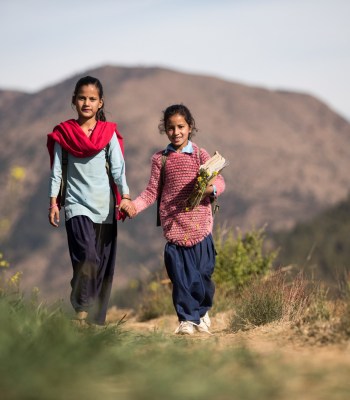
x=303, y=368
x=274, y=338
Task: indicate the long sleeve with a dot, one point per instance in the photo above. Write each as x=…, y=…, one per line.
x=117, y=165
x=56, y=172
x=150, y=194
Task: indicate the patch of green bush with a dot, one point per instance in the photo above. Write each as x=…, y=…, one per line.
x=241, y=257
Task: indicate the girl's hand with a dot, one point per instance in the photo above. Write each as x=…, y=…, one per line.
x=127, y=206
x=54, y=215
x=209, y=191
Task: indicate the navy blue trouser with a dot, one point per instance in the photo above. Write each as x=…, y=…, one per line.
x=92, y=249
x=190, y=270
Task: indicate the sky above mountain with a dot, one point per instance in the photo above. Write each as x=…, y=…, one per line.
x=298, y=45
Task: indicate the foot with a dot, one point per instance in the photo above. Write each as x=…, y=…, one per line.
x=202, y=327
x=206, y=319
x=81, y=315
x=97, y=326
x=185, y=328
x=80, y=318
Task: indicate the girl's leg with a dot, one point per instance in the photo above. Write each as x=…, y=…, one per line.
x=106, y=245
x=206, y=256
x=92, y=250
x=190, y=270
x=81, y=243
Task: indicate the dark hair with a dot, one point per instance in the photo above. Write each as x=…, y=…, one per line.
x=177, y=109
x=89, y=80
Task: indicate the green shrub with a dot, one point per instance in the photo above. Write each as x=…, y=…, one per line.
x=241, y=258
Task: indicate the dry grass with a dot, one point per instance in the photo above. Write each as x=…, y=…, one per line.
x=44, y=356
x=272, y=298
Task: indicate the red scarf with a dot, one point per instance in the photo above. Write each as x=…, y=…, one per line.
x=73, y=139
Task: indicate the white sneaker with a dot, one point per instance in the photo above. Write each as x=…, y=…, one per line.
x=202, y=327
x=185, y=328
x=206, y=319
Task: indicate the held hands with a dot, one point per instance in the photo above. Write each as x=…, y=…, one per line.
x=127, y=206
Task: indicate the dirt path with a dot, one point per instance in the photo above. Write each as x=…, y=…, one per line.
x=271, y=339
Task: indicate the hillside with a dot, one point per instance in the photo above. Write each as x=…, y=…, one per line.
x=288, y=152
x=320, y=246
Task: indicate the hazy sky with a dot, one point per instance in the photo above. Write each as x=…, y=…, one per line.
x=301, y=45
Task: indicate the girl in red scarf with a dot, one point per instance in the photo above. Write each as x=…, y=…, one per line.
x=89, y=201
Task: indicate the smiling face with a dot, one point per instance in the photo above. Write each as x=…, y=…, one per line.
x=178, y=131
x=87, y=102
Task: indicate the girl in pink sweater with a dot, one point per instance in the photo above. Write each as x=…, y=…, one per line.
x=189, y=253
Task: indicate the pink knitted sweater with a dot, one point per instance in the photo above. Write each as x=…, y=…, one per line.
x=185, y=228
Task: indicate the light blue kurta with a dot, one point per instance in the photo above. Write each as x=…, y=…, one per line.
x=88, y=189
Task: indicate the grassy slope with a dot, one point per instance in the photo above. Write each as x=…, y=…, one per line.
x=45, y=356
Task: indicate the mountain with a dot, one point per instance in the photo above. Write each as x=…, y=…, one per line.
x=320, y=246
x=289, y=158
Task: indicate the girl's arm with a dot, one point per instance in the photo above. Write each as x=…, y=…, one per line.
x=151, y=193
x=117, y=166
x=117, y=169
x=55, y=184
x=54, y=212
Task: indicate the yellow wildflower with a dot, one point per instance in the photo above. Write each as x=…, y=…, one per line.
x=3, y=263
x=15, y=279
x=18, y=173
x=153, y=286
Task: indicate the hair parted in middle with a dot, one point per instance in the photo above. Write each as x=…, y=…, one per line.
x=180, y=109
x=90, y=80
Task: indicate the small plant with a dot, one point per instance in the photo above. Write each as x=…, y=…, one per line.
x=156, y=299
x=3, y=263
x=344, y=319
x=318, y=309
x=241, y=258
x=269, y=299
x=325, y=320
x=9, y=282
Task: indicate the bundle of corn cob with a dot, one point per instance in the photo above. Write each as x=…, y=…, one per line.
x=206, y=175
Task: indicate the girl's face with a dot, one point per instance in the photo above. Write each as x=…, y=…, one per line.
x=178, y=131
x=87, y=102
